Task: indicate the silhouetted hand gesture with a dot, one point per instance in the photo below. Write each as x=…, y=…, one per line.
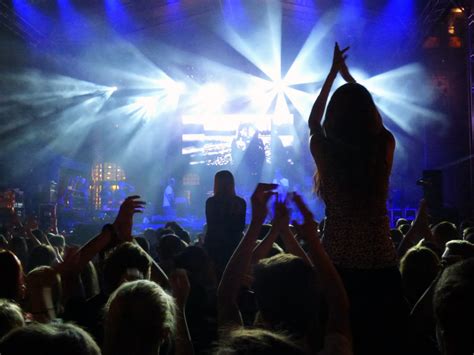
x=338, y=59
x=281, y=218
x=124, y=221
x=309, y=227
x=259, y=201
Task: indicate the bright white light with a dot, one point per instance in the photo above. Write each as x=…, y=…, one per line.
x=212, y=97
x=177, y=88
x=146, y=107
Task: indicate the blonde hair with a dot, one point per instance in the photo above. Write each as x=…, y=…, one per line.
x=139, y=316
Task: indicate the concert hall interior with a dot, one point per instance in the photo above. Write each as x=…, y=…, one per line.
x=104, y=99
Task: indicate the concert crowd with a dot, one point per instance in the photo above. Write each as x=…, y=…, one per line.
x=345, y=285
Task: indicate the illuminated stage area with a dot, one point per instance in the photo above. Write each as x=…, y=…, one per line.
x=112, y=97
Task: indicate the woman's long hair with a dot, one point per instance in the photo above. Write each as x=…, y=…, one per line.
x=352, y=126
x=224, y=184
x=11, y=280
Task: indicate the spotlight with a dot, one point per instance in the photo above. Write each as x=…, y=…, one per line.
x=212, y=96
x=177, y=88
x=146, y=107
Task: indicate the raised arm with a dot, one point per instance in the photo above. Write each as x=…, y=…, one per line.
x=181, y=287
x=419, y=229
x=236, y=269
x=336, y=297
x=317, y=112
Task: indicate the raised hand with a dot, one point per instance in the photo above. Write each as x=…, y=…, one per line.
x=281, y=218
x=259, y=201
x=421, y=222
x=338, y=59
x=309, y=226
x=124, y=221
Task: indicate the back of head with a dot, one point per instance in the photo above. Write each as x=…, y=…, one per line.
x=139, y=316
x=51, y=339
x=444, y=232
x=353, y=127
x=224, y=184
x=457, y=250
x=469, y=237
x=351, y=115
x=41, y=255
x=401, y=221
x=287, y=297
x=418, y=268
x=467, y=231
x=39, y=279
x=11, y=276
x=127, y=258
x=169, y=246
x=11, y=317
x=396, y=235
x=257, y=341
x=454, y=307
x=143, y=243
x=18, y=246
x=404, y=228
x=58, y=241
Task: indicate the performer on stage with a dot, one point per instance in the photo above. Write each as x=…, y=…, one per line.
x=169, y=200
x=225, y=216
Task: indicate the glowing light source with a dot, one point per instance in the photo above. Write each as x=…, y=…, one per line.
x=146, y=107
x=212, y=97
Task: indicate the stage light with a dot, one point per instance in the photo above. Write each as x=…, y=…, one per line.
x=212, y=97
x=457, y=10
x=145, y=108
x=176, y=88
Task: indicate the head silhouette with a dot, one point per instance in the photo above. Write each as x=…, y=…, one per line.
x=224, y=184
x=351, y=115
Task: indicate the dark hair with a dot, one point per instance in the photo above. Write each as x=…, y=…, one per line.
x=353, y=127
x=11, y=276
x=41, y=255
x=257, y=341
x=57, y=240
x=90, y=280
x=445, y=231
x=169, y=246
x=397, y=236
x=51, y=339
x=286, y=293
x=123, y=257
x=454, y=307
x=19, y=246
x=418, y=268
x=352, y=116
x=224, y=184
x=143, y=243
